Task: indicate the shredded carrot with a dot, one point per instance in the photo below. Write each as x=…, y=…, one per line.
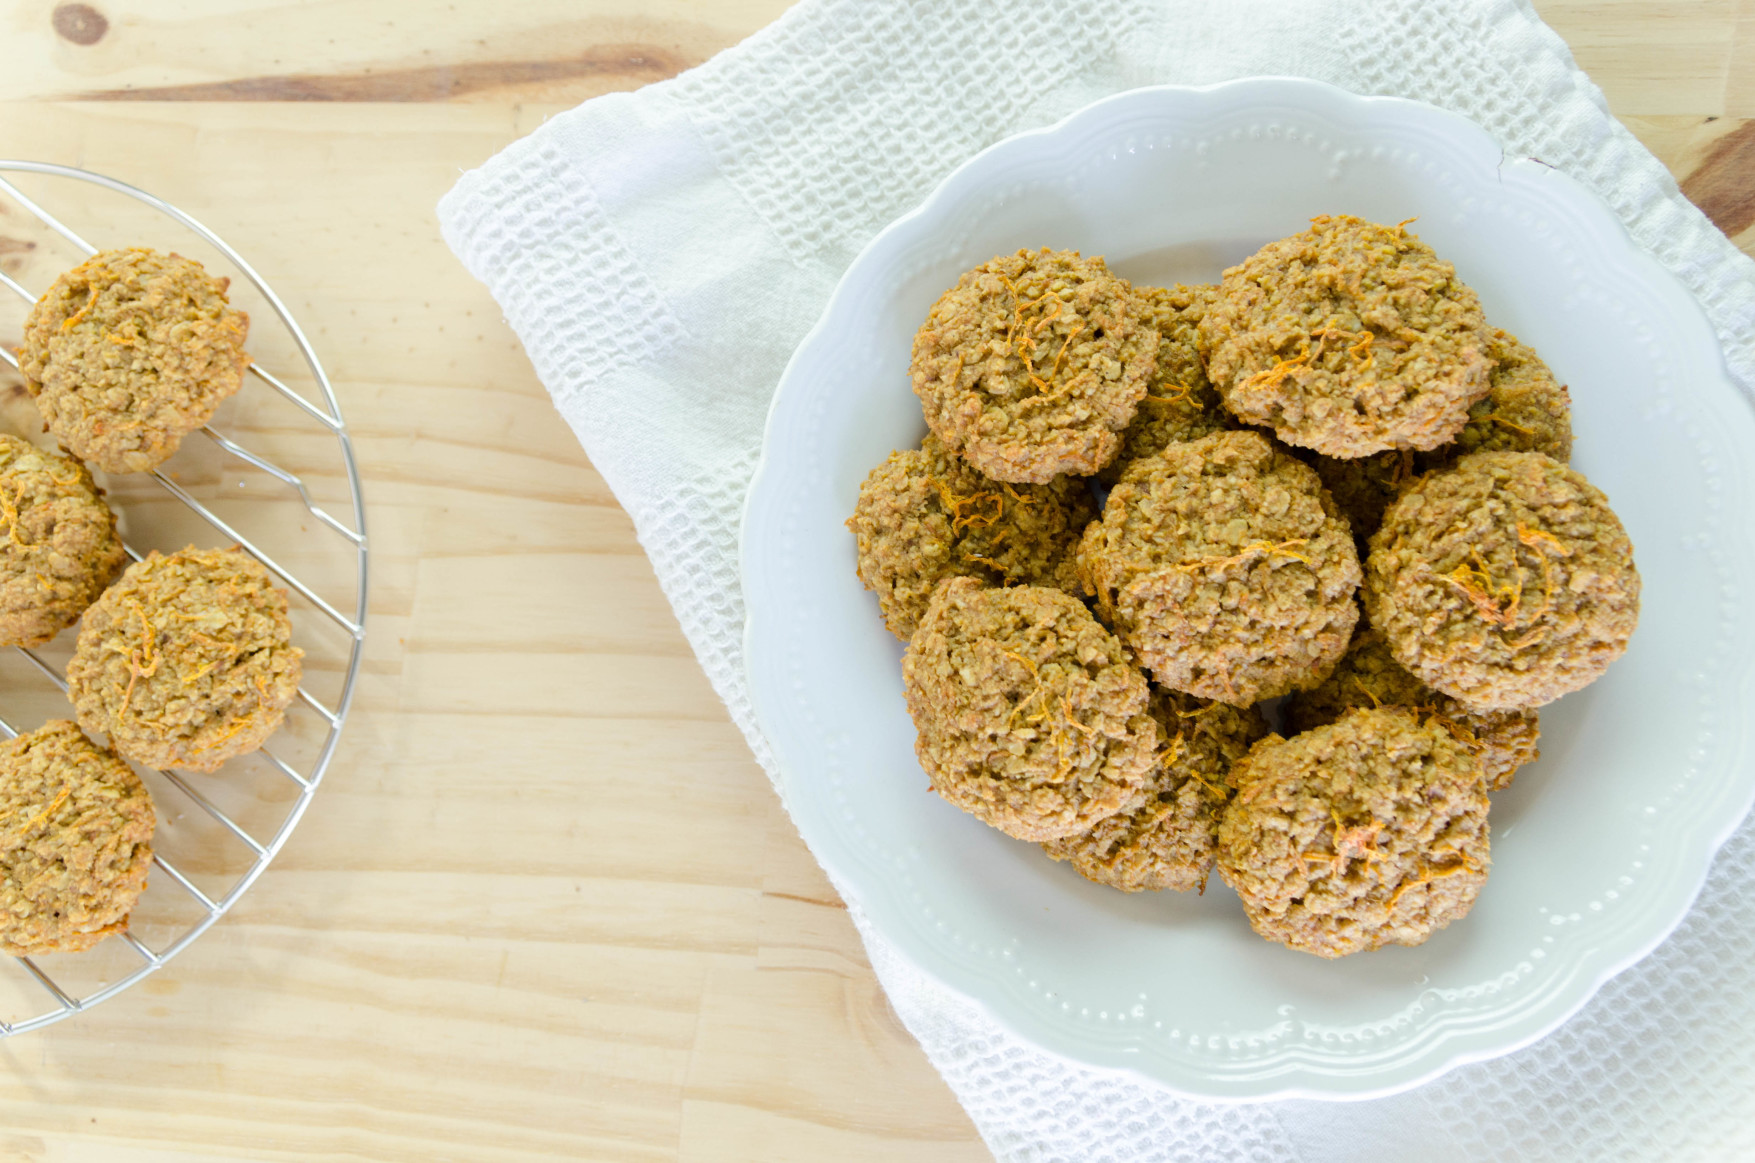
x=1274, y=376
x=40, y=817
x=1493, y=603
x=1283, y=549
x=1428, y=876
x=1517, y=428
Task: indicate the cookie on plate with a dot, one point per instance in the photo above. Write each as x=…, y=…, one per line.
x=60, y=547
x=925, y=515
x=1033, y=364
x=76, y=830
x=1225, y=567
x=1168, y=841
x=1504, y=581
x=1180, y=402
x=1369, y=676
x=186, y=661
x=1525, y=410
x=1369, y=831
x=1365, y=486
x=1030, y=716
x=1350, y=338
x=129, y=352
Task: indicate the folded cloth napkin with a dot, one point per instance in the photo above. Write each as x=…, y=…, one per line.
x=661, y=253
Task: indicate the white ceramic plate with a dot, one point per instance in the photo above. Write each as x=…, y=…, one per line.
x=1597, y=849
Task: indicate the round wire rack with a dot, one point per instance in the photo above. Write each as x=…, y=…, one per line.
x=216, y=833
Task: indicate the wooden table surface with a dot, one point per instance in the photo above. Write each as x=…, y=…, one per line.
x=545, y=905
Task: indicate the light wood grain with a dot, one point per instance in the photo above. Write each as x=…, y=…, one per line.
x=545, y=906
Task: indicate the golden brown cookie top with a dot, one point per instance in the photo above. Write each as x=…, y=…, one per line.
x=1029, y=714
x=1366, y=832
x=76, y=827
x=1504, y=581
x=1168, y=841
x=130, y=351
x=187, y=660
x=1032, y=365
x=925, y=515
x=1224, y=566
x=58, y=548
x=1349, y=338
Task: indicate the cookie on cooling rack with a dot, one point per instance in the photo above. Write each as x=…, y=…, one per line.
x=186, y=661
x=59, y=549
x=75, y=841
x=129, y=352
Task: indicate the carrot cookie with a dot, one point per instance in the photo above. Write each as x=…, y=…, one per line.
x=1505, y=581
x=1180, y=402
x=75, y=842
x=1370, y=831
x=1225, y=567
x=129, y=352
x=1363, y=488
x=187, y=661
x=1525, y=410
x=925, y=515
x=1348, y=339
x=1168, y=842
x=60, y=547
x=1033, y=364
x=1369, y=676
x=1030, y=716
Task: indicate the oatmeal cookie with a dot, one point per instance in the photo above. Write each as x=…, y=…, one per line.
x=129, y=352
x=925, y=515
x=1180, y=403
x=1349, y=339
x=1030, y=716
x=1225, y=567
x=1504, y=581
x=1370, y=831
x=75, y=842
x=1369, y=676
x=1363, y=487
x=1032, y=365
x=1168, y=842
x=1525, y=410
x=60, y=549
x=187, y=661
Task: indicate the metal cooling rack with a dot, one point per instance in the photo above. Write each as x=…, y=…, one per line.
x=68, y=999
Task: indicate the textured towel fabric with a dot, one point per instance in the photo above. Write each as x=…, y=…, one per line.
x=661, y=253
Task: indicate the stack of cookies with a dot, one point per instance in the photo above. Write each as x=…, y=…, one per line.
x=182, y=661
x=1150, y=526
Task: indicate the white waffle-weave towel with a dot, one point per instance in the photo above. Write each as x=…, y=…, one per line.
x=661, y=253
